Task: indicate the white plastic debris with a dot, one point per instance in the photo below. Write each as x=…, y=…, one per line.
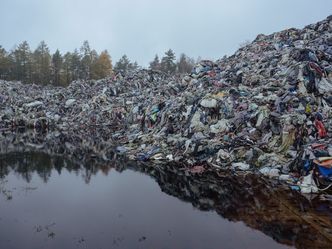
x=70, y=102
x=221, y=126
x=209, y=103
x=241, y=166
x=270, y=172
x=308, y=185
x=34, y=104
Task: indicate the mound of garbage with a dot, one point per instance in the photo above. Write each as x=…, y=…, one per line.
x=266, y=108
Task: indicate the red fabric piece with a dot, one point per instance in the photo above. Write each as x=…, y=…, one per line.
x=321, y=129
x=316, y=68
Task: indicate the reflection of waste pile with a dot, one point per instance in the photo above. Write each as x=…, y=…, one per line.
x=75, y=148
x=262, y=108
x=285, y=216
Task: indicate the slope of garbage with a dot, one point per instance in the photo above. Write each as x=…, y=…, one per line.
x=267, y=108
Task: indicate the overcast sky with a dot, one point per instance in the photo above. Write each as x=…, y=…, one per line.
x=143, y=28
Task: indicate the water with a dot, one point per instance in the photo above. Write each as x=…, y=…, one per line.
x=48, y=202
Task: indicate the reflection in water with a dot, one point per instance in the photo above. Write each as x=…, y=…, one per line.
x=284, y=216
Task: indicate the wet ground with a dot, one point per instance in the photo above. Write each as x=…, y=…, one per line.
x=49, y=202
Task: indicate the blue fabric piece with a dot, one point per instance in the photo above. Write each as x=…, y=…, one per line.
x=146, y=156
x=306, y=165
x=207, y=69
x=295, y=187
x=155, y=109
x=325, y=171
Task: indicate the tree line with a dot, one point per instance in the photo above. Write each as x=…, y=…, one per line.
x=169, y=65
x=166, y=64
x=42, y=67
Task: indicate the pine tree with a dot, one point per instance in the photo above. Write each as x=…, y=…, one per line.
x=167, y=62
x=123, y=65
x=185, y=64
x=56, y=68
x=67, y=68
x=42, y=64
x=75, y=65
x=86, y=60
x=5, y=64
x=22, y=63
x=155, y=64
x=133, y=66
x=94, y=58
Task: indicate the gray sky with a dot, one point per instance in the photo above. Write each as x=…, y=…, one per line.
x=143, y=28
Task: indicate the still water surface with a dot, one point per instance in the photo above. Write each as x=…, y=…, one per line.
x=50, y=206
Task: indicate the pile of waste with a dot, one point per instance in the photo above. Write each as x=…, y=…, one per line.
x=267, y=108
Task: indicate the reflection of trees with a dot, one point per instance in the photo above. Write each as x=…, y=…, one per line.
x=19, y=163
x=91, y=150
x=4, y=170
x=26, y=164
x=96, y=148
x=58, y=164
